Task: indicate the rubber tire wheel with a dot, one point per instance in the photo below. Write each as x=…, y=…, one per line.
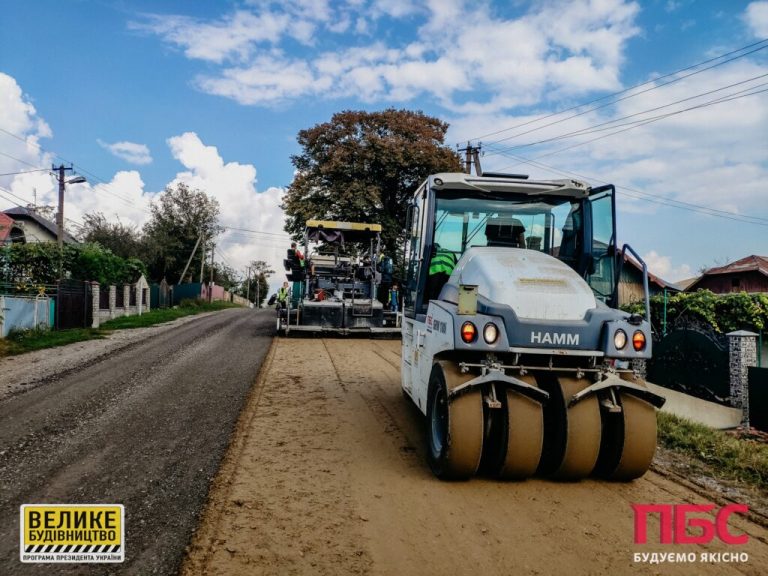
x=629, y=439
x=572, y=435
x=514, y=436
x=454, y=429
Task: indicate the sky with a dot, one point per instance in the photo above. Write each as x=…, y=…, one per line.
x=663, y=98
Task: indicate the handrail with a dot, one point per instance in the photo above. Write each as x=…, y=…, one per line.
x=645, y=277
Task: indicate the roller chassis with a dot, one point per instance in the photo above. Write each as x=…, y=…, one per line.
x=551, y=393
x=545, y=387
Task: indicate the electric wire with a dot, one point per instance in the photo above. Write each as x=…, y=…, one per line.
x=25, y=171
x=593, y=128
x=638, y=194
x=644, y=122
x=755, y=47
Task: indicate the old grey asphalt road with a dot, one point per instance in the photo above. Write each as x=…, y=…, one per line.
x=146, y=427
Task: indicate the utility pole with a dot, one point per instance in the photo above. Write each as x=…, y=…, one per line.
x=258, y=293
x=191, y=255
x=60, y=214
x=210, y=286
x=202, y=259
x=248, y=284
x=472, y=156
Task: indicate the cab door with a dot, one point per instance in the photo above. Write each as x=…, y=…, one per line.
x=413, y=323
x=601, y=230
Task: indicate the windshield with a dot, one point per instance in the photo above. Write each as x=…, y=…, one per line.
x=550, y=225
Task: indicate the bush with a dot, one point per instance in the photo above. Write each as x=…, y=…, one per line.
x=724, y=312
x=38, y=263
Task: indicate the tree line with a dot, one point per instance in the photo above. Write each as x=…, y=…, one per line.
x=359, y=166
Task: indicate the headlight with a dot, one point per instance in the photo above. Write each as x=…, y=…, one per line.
x=468, y=332
x=638, y=341
x=490, y=333
x=619, y=339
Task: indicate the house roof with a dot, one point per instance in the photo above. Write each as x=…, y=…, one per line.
x=20, y=214
x=6, y=223
x=652, y=278
x=751, y=263
x=684, y=284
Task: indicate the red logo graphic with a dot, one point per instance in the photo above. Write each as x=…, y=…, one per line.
x=675, y=521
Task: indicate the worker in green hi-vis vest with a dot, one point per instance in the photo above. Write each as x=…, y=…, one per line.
x=440, y=267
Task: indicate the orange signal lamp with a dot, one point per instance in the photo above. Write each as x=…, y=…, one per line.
x=468, y=332
x=638, y=341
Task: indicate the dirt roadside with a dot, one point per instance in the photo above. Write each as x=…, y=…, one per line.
x=19, y=373
x=326, y=475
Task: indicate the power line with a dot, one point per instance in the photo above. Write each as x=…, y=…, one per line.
x=106, y=186
x=593, y=128
x=638, y=194
x=638, y=124
x=27, y=203
x=756, y=46
x=282, y=234
x=103, y=182
x=25, y=171
x=15, y=196
x=17, y=159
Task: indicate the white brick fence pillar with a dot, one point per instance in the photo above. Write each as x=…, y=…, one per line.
x=743, y=354
x=126, y=298
x=95, y=304
x=112, y=301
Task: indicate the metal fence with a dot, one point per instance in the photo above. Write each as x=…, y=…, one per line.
x=25, y=312
x=74, y=305
x=758, y=398
x=692, y=359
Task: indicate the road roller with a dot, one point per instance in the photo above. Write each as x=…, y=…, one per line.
x=514, y=347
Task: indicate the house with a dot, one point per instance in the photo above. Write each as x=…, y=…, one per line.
x=10, y=231
x=631, y=283
x=749, y=274
x=34, y=227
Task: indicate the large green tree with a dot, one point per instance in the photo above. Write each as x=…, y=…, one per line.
x=363, y=166
x=123, y=240
x=179, y=217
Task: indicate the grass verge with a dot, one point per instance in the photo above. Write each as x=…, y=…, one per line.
x=161, y=315
x=21, y=341
x=728, y=457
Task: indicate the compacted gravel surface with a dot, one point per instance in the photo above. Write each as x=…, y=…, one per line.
x=141, y=420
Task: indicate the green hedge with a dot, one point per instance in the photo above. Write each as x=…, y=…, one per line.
x=724, y=312
x=38, y=263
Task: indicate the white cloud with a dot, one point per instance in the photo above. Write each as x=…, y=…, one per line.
x=125, y=198
x=756, y=17
x=662, y=266
x=122, y=198
x=557, y=47
x=129, y=151
x=713, y=156
x=243, y=207
x=22, y=131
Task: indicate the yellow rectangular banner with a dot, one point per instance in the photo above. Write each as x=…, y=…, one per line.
x=72, y=533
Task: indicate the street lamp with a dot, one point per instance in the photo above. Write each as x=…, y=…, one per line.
x=60, y=215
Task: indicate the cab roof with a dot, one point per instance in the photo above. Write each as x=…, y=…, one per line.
x=510, y=184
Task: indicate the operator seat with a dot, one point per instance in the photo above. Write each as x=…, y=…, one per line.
x=508, y=232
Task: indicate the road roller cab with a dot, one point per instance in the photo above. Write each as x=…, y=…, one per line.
x=513, y=344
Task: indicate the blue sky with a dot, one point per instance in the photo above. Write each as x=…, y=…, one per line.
x=141, y=94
